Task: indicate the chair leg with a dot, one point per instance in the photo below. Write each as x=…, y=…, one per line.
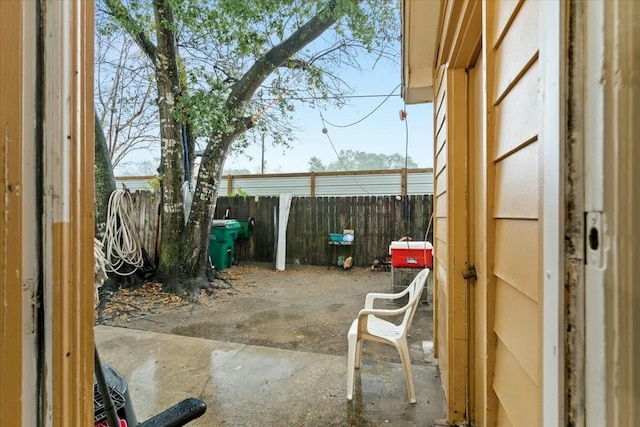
x=351, y=361
x=358, y=354
x=403, y=349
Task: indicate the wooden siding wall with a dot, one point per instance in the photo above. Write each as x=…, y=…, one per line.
x=376, y=221
x=512, y=30
x=459, y=45
x=440, y=263
x=622, y=206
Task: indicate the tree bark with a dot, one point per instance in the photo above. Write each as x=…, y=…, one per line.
x=171, y=171
x=191, y=140
x=105, y=182
x=203, y=206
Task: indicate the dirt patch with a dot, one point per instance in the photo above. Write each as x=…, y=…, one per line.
x=304, y=308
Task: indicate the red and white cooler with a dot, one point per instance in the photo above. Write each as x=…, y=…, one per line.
x=411, y=254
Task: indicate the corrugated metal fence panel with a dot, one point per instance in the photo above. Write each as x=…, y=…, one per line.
x=135, y=183
x=272, y=186
x=363, y=183
x=420, y=183
x=224, y=184
x=359, y=185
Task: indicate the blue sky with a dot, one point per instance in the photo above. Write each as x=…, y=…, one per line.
x=382, y=132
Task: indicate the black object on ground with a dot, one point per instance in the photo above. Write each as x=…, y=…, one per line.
x=108, y=401
x=108, y=406
x=177, y=415
x=99, y=412
x=116, y=380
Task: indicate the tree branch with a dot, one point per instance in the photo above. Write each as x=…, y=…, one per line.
x=122, y=15
x=296, y=64
x=246, y=123
x=277, y=55
x=328, y=51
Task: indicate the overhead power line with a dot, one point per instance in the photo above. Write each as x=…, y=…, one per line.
x=366, y=116
x=310, y=98
x=326, y=133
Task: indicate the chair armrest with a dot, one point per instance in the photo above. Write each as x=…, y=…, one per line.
x=371, y=297
x=383, y=312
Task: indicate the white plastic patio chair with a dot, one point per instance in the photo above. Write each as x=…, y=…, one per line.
x=369, y=326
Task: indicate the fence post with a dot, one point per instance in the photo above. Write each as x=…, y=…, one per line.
x=403, y=185
x=312, y=177
x=230, y=185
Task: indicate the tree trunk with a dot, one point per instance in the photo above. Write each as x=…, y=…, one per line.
x=105, y=182
x=204, y=203
x=210, y=172
x=171, y=171
x=191, y=139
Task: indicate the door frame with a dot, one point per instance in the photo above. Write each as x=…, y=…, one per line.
x=612, y=205
x=552, y=100
x=458, y=46
x=481, y=227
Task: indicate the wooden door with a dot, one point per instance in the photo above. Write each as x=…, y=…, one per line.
x=481, y=294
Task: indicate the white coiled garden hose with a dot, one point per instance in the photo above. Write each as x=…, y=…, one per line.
x=120, y=242
x=99, y=269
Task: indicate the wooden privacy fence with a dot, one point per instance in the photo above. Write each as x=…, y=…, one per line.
x=377, y=220
x=145, y=215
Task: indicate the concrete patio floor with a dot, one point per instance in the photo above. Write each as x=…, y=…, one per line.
x=245, y=385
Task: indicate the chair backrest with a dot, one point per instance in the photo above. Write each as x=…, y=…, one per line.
x=416, y=287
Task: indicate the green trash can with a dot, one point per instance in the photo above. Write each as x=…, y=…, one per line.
x=224, y=233
x=246, y=228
